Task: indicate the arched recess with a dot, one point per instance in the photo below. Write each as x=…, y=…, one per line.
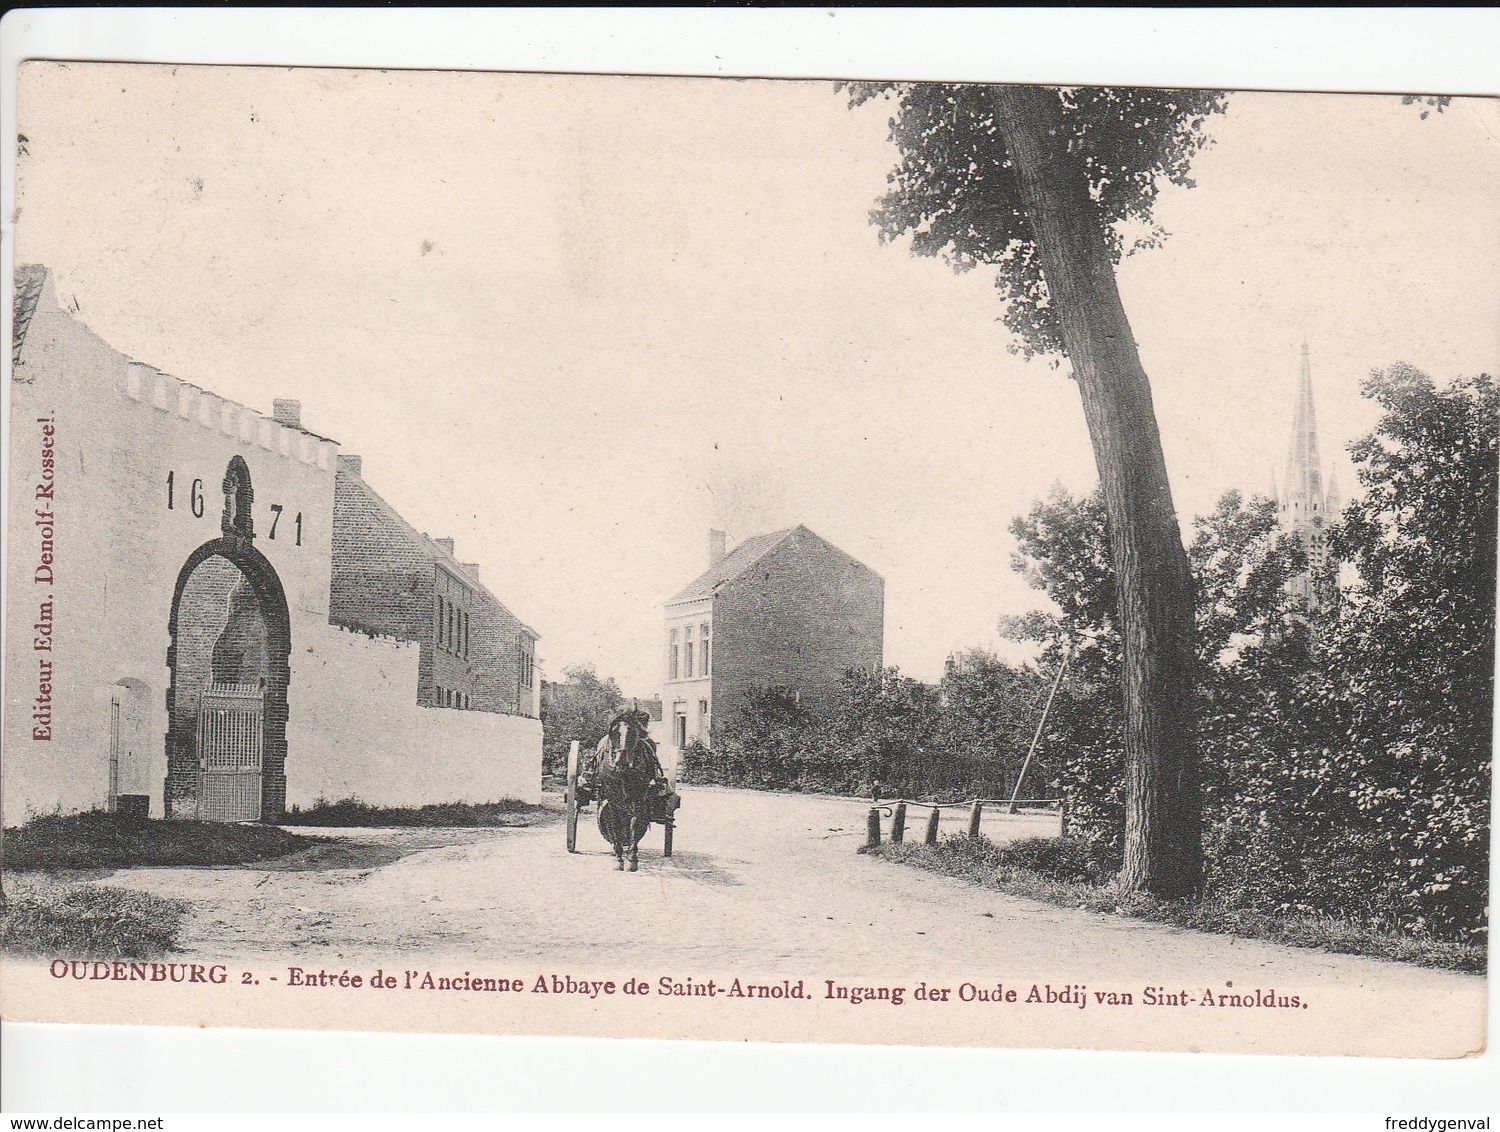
x=250, y=640
x=239, y=497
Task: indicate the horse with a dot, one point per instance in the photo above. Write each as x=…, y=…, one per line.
x=627, y=771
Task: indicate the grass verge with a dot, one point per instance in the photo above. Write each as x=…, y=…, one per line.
x=99, y=840
x=983, y=863
x=352, y=813
x=90, y=922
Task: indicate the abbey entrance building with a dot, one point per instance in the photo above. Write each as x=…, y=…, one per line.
x=224, y=619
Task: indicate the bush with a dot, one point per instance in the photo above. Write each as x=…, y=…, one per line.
x=882, y=732
x=1069, y=859
x=979, y=861
x=91, y=922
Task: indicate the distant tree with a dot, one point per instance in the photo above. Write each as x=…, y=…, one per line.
x=988, y=714
x=1241, y=563
x=579, y=708
x=889, y=722
x=1062, y=549
x=769, y=724
x=770, y=741
x=1042, y=183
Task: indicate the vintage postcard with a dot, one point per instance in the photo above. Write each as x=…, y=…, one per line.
x=800, y=561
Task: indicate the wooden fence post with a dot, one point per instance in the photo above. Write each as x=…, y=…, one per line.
x=975, y=811
x=872, y=828
x=898, y=824
x=932, y=825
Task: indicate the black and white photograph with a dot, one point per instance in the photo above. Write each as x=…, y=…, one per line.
x=828, y=560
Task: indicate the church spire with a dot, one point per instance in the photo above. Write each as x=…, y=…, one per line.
x=1303, y=506
x=1303, y=484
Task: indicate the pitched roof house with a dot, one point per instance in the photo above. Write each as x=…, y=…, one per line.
x=784, y=609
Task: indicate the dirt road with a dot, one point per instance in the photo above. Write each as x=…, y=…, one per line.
x=769, y=884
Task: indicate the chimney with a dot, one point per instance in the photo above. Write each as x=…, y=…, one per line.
x=715, y=548
x=471, y=569
x=288, y=413
x=446, y=544
x=351, y=464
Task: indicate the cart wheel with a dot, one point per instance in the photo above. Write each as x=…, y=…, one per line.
x=606, y=819
x=571, y=797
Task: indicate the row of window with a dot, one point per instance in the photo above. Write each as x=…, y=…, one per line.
x=452, y=628
x=448, y=697
x=680, y=654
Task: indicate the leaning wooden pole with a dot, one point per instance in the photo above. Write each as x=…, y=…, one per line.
x=1040, y=724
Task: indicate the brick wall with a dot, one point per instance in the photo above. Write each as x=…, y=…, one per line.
x=387, y=578
x=382, y=580
x=800, y=617
x=499, y=639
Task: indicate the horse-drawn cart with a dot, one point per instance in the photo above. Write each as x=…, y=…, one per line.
x=624, y=781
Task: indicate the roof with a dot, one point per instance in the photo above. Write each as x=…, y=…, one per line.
x=731, y=566
x=429, y=546
x=30, y=278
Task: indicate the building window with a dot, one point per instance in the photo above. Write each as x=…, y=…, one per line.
x=466, y=636
x=672, y=657
x=440, y=616
x=687, y=653
x=703, y=649
x=703, y=720
x=528, y=663
x=679, y=728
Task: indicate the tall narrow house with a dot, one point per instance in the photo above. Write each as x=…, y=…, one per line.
x=785, y=609
x=1305, y=506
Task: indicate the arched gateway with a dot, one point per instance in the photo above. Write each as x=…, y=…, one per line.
x=230, y=663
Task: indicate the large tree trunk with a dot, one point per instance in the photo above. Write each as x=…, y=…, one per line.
x=1163, y=834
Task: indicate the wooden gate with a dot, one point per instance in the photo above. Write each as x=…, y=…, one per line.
x=230, y=750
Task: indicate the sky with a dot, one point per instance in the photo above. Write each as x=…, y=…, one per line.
x=574, y=322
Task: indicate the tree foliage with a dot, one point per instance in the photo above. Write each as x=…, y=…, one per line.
x=579, y=708
x=955, y=194
x=1416, y=639
x=1347, y=762
x=883, y=733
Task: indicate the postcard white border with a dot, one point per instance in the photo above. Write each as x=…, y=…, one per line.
x=86, y=1068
